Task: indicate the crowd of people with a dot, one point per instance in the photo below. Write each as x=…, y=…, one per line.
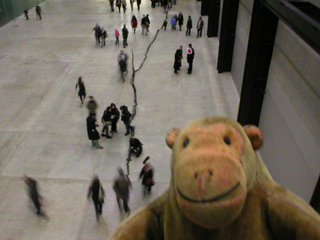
x=111, y=115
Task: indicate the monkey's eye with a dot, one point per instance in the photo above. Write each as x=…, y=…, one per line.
x=227, y=140
x=186, y=142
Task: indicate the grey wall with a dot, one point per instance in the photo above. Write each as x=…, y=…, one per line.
x=290, y=118
x=10, y=9
x=241, y=42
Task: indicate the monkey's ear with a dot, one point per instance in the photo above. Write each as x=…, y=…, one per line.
x=171, y=136
x=255, y=136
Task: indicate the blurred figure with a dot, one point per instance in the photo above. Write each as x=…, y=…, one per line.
x=134, y=23
x=34, y=196
x=112, y=5
x=26, y=12
x=126, y=118
x=116, y=34
x=96, y=191
x=200, y=24
x=180, y=20
x=103, y=37
x=97, y=33
x=82, y=89
x=138, y=4
x=146, y=174
x=164, y=25
x=106, y=121
x=38, y=11
x=189, y=25
x=177, y=60
x=124, y=5
x=121, y=187
x=131, y=4
x=135, y=146
x=118, y=4
x=93, y=134
x=122, y=60
x=92, y=105
x=125, y=33
x=115, y=115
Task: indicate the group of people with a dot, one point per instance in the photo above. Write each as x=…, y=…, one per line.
x=38, y=12
x=96, y=191
x=179, y=56
x=123, y=4
x=178, y=20
x=100, y=35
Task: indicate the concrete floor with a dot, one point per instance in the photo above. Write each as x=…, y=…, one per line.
x=43, y=126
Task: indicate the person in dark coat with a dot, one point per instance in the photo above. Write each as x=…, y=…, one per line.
x=125, y=33
x=118, y=4
x=38, y=11
x=135, y=146
x=115, y=115
x=126, y=118
x=177, y=60
x=146, y=174
x=34, y=195
x=103, y=37
x=189, y=25
x=112, y=5
x=97, y=33
x=180, y=20
x=93, y=134
x=82, y=89
x=96, y=192
x=190, y=57
x=138, y=4
x=121, y=187
x=106, y=121
x=26, y=12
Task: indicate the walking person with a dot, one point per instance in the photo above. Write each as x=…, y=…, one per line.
x=200, y=24
x=138, y=4
x=97, y=33
x=180, y=20
x=38, y=11
x=115, y=114
x=103, y=37
x=122, y=60
x=146, y=174
x=35, y=197
x=134, y=23
x=177, y=60
x=148, y=22
x=126, y=119
x=82, y=89
x=112, y=5
x=189, y=25
x=92, y=105
x=106, y=121
x=190, y=57
x=26, y=12
x=117, y=34
x=131, y=4
x=125, y=33
x=96, y=192
x=121, y=187
x=118, y=4
x=93, y=134
x=144, y=25
x=124, y=5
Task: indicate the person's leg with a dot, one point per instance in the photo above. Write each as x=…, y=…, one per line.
x=200, y=32
x=93, y=143
x=127, y=124
x=119, y=205
x=125, y=205
x=100, y=205
x=98, y=145
x=96, y=207
x=37, y=206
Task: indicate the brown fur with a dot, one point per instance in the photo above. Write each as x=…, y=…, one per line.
x=220, y=190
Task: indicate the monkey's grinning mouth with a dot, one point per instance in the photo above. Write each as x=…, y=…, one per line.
x=211, y=199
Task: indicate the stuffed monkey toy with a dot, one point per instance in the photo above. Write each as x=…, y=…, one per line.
x=220, y=190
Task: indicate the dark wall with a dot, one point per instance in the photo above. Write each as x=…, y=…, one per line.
x=10, y=9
